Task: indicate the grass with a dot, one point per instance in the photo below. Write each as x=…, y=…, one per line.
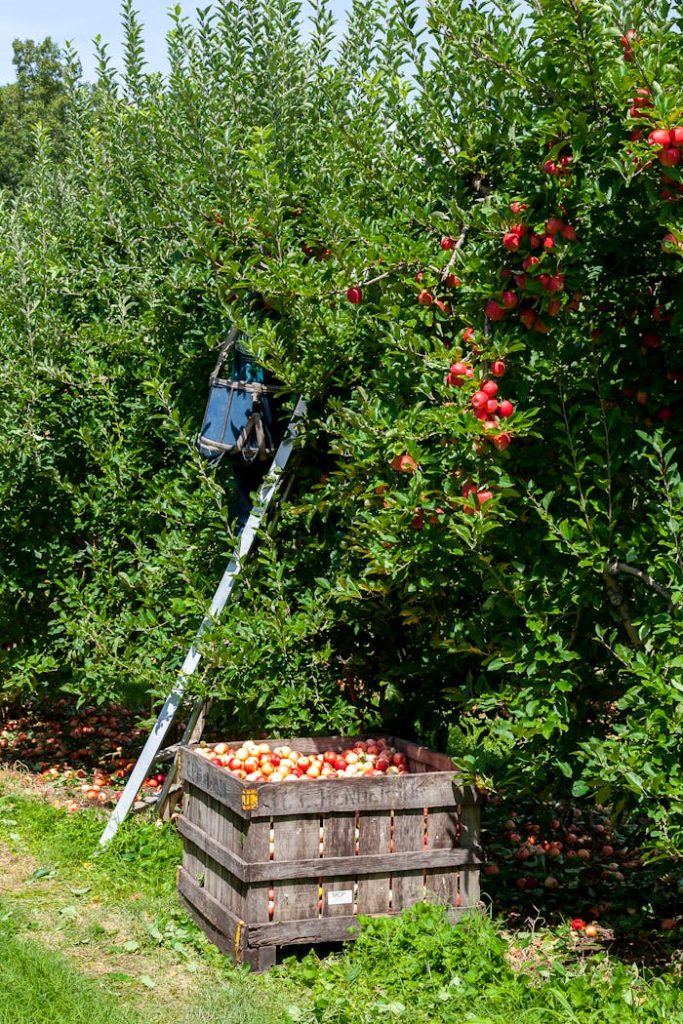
x=39, y=987
x=89, y=936
x=421, y=969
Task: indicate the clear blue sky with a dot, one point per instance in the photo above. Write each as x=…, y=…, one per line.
x=81, y=20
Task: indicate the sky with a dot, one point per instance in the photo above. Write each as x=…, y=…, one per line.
x=81, y=20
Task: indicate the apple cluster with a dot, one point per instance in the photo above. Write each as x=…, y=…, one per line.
x=533, y=284
x=259, y=762
x=667, y=142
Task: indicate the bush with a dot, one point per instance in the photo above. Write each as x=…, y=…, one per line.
x=422, y=572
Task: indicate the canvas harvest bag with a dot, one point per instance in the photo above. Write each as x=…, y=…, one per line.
x=242, y=409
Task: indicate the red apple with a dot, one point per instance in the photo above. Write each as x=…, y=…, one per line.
x=659, y=137
x=669, y=156
x=354, y=295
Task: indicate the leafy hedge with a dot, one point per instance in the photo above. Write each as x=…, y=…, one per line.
x=529, y=588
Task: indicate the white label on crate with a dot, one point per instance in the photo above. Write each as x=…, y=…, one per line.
x=340, y=896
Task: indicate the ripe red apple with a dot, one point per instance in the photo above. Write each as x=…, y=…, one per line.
x=502, y=441
x=550, y=167
x=511, y=241
x=676, y=136
x=509, y=300
x=494, y=311
x=453, y=281
x=659, y=137
x=447, y=243
x=479, y=400
x=548, y=242
x=506, y=408
x=491, y=869
x=518, y=207
x=354, y=295
x=404, y=463
x=669, y=156
x=490, y=388
x=425, y=298
x=553, y=225
x=484, y=496
x=498, y=368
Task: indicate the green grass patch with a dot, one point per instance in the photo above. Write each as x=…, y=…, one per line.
x=420, y=969
x=115, y=913
x=39, y=987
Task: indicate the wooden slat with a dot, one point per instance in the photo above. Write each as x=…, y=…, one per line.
x=325, y=929
x=407, y=886
x=469, y=877
x=339, y=843
x=229, y=927
x=191, y=855
x=374, y=840
x=329, y=867
x=442, y=834
x=328, y=795
x=434, y=761
x=297, y=838
x=256, y=848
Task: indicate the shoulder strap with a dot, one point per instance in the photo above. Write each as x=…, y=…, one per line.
x=224, y=352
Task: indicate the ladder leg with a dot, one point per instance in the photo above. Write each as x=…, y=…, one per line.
x=192, y=734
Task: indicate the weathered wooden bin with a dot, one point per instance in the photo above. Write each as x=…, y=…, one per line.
x=321, y=853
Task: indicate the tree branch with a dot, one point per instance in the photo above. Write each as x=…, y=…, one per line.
x=615, y=567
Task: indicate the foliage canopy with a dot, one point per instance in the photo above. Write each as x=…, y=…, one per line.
x=274, y=164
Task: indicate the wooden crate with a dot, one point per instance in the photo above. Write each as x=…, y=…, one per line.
x=323, y=852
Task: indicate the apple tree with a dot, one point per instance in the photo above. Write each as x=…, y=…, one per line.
x=466, y=227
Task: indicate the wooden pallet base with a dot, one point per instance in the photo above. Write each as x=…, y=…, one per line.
x=257, y=944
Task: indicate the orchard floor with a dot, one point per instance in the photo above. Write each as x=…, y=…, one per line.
x=90, y=936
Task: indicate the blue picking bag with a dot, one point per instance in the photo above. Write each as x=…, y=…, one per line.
x=241, y=417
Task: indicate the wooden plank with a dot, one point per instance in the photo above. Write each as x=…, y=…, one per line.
x=212, y=933
x=230, y=835
x=255, y=848
x=442, y=834
x=319, y=929
x=231, y=930
x=327, y=867
x=339, y=843
x=407, y=886
x=296, y=838
x=192, y=734
x=469, y=840
x=324, y=929
x=326, y=795
x=217, y=851
x=191, y=855
x=374, y=890
x=434, y=761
